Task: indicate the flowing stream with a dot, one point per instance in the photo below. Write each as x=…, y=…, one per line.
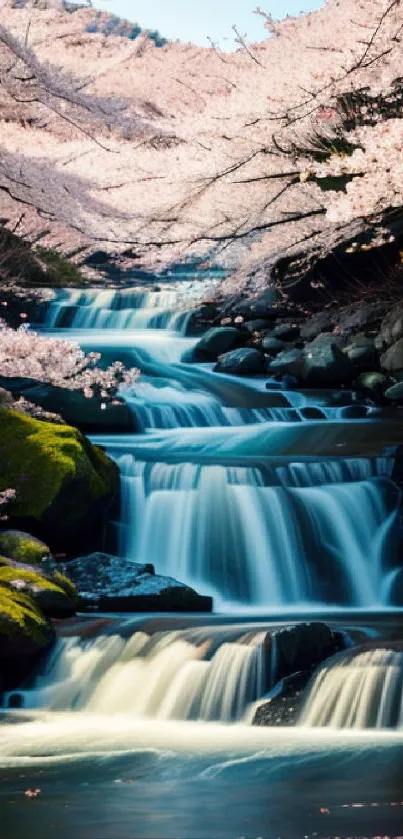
x=273, y=502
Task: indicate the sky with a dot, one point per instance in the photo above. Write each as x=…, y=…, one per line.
x=195, y=20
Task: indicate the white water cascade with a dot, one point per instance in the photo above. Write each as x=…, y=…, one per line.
x=259, y=496
x=357, y=691
x=278, y=536
x=171, y=675
x=125, y=308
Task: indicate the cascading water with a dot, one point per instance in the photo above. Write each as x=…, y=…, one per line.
x=363, y=690
x=187, y=675
x=278, y=536
x=260, y=496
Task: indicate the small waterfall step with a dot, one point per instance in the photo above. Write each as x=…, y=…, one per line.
x=361, y=688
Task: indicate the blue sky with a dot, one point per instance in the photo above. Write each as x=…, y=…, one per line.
x=194, y=20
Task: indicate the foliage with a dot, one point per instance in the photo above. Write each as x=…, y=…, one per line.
x=26, y=354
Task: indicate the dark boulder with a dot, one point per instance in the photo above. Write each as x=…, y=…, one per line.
x=112, y=584
x=375, y=383
x=363, y=317
x=395, y=393
x=219, y=340
x=263, y=306
x=286, y=331
x=241, y=362
x=299, y=647
x=320, y=322
x=324, y=364
x=253, y=326
x=292, y=654
x=273, y=346
x=88, y=414
x=287, y=363
x=284, y=703
x=391, y=328
x=310, y=412
x=392, y=359
x=362, y=354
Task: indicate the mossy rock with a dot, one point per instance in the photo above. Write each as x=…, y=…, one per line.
x=59, y=271
x=62, y=481
x=52, y=599
x=22, y=547
x=24, y=630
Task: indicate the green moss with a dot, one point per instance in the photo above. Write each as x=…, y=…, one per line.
x=22, y=547
x=51, y=466
x=11, y=576
x=20, y=616
x=59, y=271
x=67, y=585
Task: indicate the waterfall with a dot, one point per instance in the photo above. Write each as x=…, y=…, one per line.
x=170, y=675
x=269, y=535
x=259, y=496
x=357, y=691
x=127, y=308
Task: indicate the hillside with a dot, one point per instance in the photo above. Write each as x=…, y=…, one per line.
x=174, y=150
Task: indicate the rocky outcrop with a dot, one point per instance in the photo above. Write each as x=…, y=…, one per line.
x=63, y=484
x=112, y=584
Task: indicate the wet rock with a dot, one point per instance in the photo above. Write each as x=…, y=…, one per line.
x=89, y=415
x=324, y=364
x=284, y=704
x=263, y=306
x=111, y=584
x=320, y=322
x=252, y=326
x=312, y=413
x=354, y=412
x=327, y=339
x=286, y=331
x=287, y=363
x=362, y=354
x=299, y=647
x=374, y=383
x=395, y=393
x=219, y=340
x=273, y=346
x=364, y=317
x=292, y=655
x=241, y=362
x=392, y=359
x=391, y=328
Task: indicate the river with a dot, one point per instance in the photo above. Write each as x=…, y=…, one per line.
x=280, y=505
